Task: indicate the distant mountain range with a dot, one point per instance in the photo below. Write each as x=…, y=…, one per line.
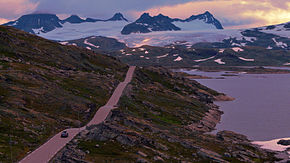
x=45, y=23
x=147, y=23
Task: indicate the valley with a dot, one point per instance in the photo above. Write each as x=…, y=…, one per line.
x=195, y=92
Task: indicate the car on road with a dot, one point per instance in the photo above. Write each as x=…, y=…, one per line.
x=64, y=134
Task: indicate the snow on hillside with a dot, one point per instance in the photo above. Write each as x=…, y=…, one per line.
x=198, y=25
x=82, y=30
x=279, y=30
x=169, y=37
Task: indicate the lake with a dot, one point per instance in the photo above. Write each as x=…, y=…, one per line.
x=261, y=110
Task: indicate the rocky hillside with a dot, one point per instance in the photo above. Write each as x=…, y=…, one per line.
x=46, y=87
x=162, y=117
x=97, y=43
x=181, y=54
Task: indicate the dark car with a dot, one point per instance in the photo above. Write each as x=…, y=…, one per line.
x=64, y=134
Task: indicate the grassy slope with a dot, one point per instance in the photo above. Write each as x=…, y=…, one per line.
x=46, y=87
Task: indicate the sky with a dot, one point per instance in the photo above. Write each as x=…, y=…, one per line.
x=231, y=13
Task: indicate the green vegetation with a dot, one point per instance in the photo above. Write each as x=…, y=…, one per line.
x=46, y=87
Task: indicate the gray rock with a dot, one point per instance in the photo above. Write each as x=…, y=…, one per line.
x=284, y=142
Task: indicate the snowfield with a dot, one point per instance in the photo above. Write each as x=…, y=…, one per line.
x=168, y=37
x=76, y=31
x=278, y=30
x=199, y=25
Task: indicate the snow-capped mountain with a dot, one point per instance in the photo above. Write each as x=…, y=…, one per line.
x=35, y=23
x=41, y=24
x=147, y=23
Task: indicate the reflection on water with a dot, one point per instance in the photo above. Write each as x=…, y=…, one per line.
x=262, y=106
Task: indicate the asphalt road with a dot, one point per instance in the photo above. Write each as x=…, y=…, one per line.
x=49, y=149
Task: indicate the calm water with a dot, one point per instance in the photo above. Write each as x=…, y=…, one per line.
x=262, y=106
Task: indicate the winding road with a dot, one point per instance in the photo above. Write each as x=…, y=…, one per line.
x=49, y=149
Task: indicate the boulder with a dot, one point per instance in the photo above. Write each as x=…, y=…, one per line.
x=284, y=142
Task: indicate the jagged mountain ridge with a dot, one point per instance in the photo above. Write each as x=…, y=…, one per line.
x=43, y=23
x=147, y=23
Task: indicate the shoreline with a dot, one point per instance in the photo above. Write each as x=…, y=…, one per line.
x=209, y=121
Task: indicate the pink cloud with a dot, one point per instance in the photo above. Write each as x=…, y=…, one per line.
x=15, y=8
x=246, y=13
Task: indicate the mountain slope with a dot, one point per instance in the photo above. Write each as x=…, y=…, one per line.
x=97, y=43
x=46, y=87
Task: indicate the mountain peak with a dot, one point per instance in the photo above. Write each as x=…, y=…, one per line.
x=117, y=17
x=207, y=13
x=145, y=15
x=74, y=19
x=207, y=17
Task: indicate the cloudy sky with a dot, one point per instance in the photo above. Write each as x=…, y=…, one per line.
x=232, y=13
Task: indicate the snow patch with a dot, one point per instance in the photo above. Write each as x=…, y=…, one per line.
x=221, y=50
x=90, y=44
x=162, y=56
x=146, y=52
x=128, y=54
x=245, y=59
x=280, y=44
x=63, y=43
x=174, y=55
x=219, y=61
x=272, y=145
x=89, y=48
x=269, y=48
x=287, y=64
x=178, y=59
x=237, y=49
x=38, y=31
x=201, y=60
